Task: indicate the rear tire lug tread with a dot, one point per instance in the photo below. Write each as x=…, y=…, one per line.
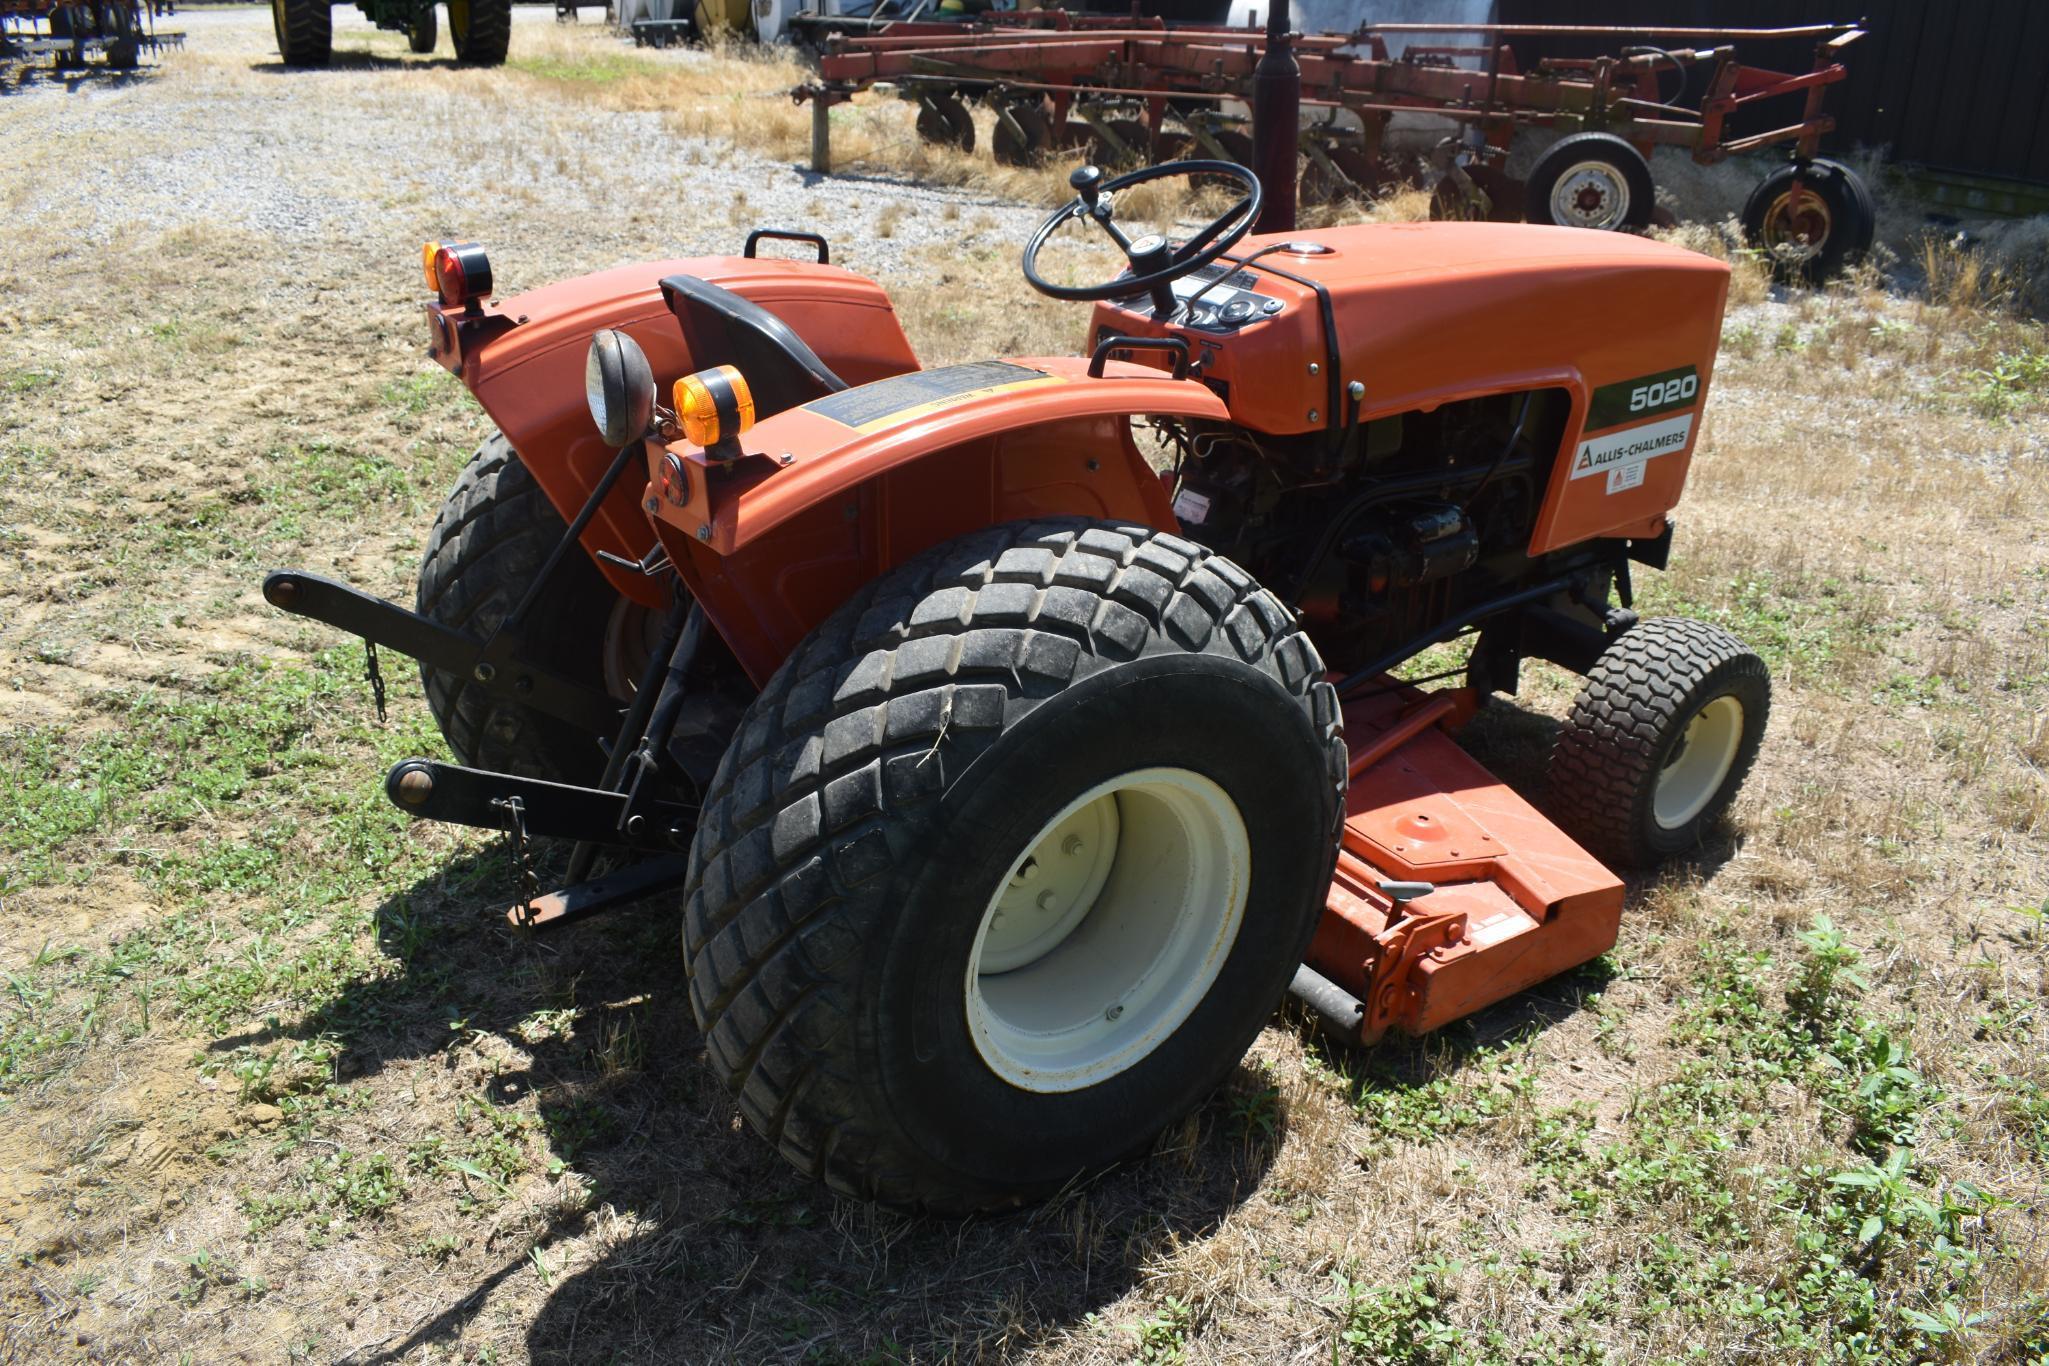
x=778, y=966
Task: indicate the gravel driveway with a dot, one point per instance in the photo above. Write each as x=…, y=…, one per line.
x=384, y=150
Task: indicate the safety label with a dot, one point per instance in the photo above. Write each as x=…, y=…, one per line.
x=889, y=402
x=1622, y=455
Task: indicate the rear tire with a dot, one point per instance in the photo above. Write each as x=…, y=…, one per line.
x=305, y=31
x=481, y=30
x=975, y=706
x=1591, y=180
x=1811, y=240
x=1659, y=740
x=491, y=538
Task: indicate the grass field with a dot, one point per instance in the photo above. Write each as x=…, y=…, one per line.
x=276, y=1083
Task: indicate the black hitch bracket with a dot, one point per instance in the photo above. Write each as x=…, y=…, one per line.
x=437, y=646
x=478, y=797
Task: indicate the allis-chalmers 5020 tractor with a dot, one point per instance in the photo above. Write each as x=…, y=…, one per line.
x=1012, y=782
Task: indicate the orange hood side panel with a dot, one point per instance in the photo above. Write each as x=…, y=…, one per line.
x=530, y=378
x=1434, y=313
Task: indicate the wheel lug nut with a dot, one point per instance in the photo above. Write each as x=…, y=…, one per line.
x=1113, y=1012
x=1071, y=846
x=1046, y=900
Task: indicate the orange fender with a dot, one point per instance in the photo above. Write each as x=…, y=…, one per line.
x=829, y=495
x=528, y=375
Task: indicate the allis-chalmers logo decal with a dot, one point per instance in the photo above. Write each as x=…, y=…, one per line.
x=1622, y=455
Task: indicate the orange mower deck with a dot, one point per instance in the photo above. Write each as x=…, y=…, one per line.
x=1512, y=900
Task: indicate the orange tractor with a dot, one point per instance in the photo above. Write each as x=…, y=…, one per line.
x=1011, y=780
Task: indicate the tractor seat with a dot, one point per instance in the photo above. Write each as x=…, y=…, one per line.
x=720, y=326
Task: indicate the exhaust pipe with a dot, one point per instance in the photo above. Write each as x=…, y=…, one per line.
x=1276, y=122
x=1338, y=1011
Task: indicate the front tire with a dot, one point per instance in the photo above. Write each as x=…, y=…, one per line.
x=1102, y=730
x=305, y=31
x=1659, y=740
x=422, y=33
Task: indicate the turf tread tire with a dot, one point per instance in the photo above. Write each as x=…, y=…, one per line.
x=492, y=535
x=825, y=787
x=1639, y=694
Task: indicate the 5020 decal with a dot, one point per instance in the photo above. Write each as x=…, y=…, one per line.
x=1632, y=400
x=1651, y=398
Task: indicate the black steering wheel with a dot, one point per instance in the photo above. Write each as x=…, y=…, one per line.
x=1155, y=262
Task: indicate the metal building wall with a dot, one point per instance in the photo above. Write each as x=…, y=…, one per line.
x=1954, y=85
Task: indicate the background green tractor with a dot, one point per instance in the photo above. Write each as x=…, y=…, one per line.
x=480, y=29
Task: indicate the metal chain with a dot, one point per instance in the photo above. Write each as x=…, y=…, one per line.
x=376, y=677
x=528, y=885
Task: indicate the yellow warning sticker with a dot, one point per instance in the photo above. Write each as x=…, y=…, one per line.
x=892, y=402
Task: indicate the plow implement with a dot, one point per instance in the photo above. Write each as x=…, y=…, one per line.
x=1134, y=95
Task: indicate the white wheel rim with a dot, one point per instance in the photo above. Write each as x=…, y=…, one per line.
x=1694, y=771
x=1591, y=194
x=1108, y=929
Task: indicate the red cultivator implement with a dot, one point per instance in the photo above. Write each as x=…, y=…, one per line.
x=73, y=32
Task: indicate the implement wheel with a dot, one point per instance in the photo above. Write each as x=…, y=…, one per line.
x=305, y=31
x=1659, y=740
x=1011, y=860
x=481, y=30
x=1815, y=232
x=1591, y=180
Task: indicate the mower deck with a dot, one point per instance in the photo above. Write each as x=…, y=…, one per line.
x=1451, y=892
x=1513, y=899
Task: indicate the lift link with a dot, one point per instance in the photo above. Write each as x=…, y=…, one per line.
x=525, y=884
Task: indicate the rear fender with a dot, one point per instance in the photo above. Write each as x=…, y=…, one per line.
x=831, y=494
x=524, y=359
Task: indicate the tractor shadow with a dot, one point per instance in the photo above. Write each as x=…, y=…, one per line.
x=710, y=1247
x=24, y=77
x=344, y=59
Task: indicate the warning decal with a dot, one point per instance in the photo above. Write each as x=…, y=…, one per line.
x=889, y=402
x=1622, y=455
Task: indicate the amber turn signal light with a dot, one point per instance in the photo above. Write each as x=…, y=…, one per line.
x=459, y=272
x=714, y=407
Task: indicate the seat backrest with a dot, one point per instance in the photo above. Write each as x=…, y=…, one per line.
x=723, y=328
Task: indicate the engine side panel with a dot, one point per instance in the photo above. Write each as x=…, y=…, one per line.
x=530, y=377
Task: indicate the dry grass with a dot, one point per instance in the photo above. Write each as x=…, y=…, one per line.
x=276, y=1086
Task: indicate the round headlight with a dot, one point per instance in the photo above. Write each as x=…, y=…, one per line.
x=619, y=385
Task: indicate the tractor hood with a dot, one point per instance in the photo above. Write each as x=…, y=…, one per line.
x=1425, y=313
